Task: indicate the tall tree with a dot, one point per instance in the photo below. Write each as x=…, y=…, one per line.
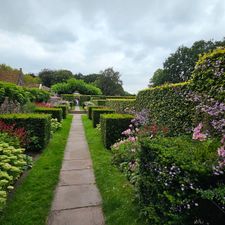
x=109, y=82
x=50, y=77
x=158, y=78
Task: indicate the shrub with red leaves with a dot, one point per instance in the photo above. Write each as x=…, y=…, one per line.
x=20, y=133
x=43, y=104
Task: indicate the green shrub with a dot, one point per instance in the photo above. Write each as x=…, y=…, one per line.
x=169, y=107
x=120, y=105
x=112, y=126
x=54, y=112
x=64, y=110
x=9, y=139
x=55, y=125
x=99, y=102
x=37, y=95
x=84, y=98
x=68, y=97
x=89, y=110
x=12, y=164
x=13, y=92
x=209, y=74
x=121, y=97
x=96, y=112
x=177, y=184
x=72, y=85
x=37, y=127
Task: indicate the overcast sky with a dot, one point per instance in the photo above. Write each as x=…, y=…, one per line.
x=132, y=36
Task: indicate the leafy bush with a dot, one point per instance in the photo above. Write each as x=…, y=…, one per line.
x=89, y=110
x=13, y=92
x=120, y=105
x=68, y=97
x=12, y=164
x=37, y=95
x=64, y=110
x=55, y=112
x=37, y=127
x=169, y=107
x=72, y=85
x=112, y=126
x=121, y=97
x=177, y=184
x=9, y=139
x=96, y=112
x=209, y=74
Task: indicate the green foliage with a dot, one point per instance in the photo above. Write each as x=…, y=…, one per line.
x=30, y=79
x=51, y=77
x=55, y=113
x=64, y=110
x=13, y=92
x=209, y=74
x=89, y=110
x=37, y=127
x=12, y=164
x=73, y=85
x=159, y=78
x=9, y=139
x=55, y=125
x=38, y=95
x=168, y=107
x=112, y=126
x=99, y=102
x=120, y=105
x=68, y=97
x=109, y=82
x=173, y=172
x=96, y=112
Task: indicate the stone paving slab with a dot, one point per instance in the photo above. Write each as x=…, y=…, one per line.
x=81, y=216
x=77, y=196
x=77, y=177
x=79, y=154
x=76, y=164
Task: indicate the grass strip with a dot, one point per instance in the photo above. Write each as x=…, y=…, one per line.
x=32, y=200
x=117, y=193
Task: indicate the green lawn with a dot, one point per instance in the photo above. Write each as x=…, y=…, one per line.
x=117, y=193
x=32, y=200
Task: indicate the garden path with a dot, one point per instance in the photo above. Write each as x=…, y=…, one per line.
x=77, y=200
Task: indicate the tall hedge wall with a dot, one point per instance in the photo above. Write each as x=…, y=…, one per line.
x=55, y=113
x=37, y=127
x=168, y=106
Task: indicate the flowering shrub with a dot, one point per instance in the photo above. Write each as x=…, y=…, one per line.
x=209, y=74
x=55, y=125
x=44, y=104
x=12, y=163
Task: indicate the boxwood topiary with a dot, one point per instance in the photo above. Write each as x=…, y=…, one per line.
x=112, y=126
x=56, y=113
x=96, y=112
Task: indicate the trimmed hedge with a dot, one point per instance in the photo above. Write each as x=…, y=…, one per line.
x=89, y=110
x=177, y=184
x=209, y=74
x=169, y=107
x=37, y=127
x=112, y=126
x=55, y=113
x=96, y=112
x=68, y=97
x=120, y=105
x=64, y=110
x=121, y=97
x=99, y=102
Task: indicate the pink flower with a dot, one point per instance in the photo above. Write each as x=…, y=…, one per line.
x=221, y=151
x=132, y=139
x=197, y=135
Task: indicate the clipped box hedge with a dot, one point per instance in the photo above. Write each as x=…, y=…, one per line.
x=56, y=113
x=177, y=184
x=64, y=110
x=89, y=110
x=96, y=112
x=121, y=97
x=37, y=127
x=99, y=102
x=120, y=105
x=112, y=126
x=68, y=97
x=169, y=107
